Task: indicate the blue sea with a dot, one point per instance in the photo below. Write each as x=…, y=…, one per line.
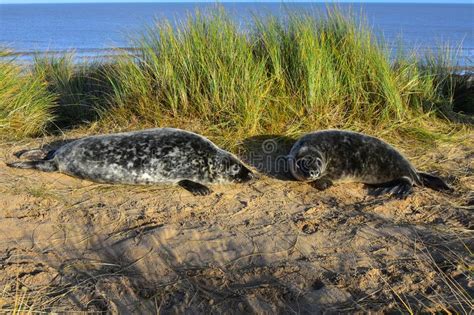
x=95, y=29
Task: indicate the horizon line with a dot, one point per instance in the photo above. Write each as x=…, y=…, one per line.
x=245, y=1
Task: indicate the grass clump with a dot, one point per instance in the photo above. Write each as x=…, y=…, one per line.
x=204, y=69
x=284, y=76
x=81, y=87
x=26, y=105
x=453, y=93
x=336, y=73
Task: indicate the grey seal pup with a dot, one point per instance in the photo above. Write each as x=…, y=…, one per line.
x=152, y=156
x=324, y=157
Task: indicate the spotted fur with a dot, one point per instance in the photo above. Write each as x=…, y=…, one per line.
x=153, y=156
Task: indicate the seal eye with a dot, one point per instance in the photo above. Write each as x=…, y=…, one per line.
x=234, y=169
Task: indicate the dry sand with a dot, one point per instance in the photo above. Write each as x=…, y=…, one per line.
x=272, y=246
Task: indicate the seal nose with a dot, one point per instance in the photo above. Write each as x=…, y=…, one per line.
x=246, y=177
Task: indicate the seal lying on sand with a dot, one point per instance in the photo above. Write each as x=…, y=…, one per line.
x=328, y=156
x=145, y=157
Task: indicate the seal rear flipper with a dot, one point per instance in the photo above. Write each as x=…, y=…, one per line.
x=400, y=188
x=32, y=154
x=195, y=188
x=45, y=166
x=434, y=182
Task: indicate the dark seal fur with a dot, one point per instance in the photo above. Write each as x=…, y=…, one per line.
x=329, y=156
x=153, y=156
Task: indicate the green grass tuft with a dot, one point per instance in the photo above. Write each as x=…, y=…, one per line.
x=26, y=105
x=81, y=87
x=205, y=69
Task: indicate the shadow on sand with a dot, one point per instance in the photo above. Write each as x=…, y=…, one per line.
x=267, y=154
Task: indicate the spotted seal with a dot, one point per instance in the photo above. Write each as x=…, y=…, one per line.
x=328, y=156
x=161, y=155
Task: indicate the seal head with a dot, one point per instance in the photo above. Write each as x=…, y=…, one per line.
x=308, y=165
x=227, y=168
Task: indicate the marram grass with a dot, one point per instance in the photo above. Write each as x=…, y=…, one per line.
x=26, y=106
x=281, y=76
x=206, y=70
x=81, y=88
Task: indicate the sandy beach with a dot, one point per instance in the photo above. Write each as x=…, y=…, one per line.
x=252, y=84
x=271, y=246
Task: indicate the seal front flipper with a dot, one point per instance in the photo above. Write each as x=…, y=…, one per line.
x=321, y=183
x=195, y=188
x=400, y=188
x=42, y=165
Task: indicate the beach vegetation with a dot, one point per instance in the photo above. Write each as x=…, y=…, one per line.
x=26, y=105
x=207, y=73
x=81, y=88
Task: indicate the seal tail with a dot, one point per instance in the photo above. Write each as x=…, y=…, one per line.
x=433, y=182
x=45, y=166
